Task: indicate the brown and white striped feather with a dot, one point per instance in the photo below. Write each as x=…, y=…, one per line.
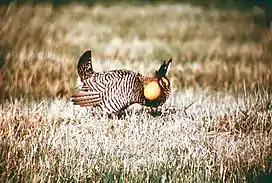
x=86, y=98
x=112, y=90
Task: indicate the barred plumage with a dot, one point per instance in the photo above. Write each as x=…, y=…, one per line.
x=115, y=90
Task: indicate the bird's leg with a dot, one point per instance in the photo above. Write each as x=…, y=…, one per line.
x=121, y=114
x=110, y=116
x=155, y=111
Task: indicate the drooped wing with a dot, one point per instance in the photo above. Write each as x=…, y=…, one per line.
x=86, y=98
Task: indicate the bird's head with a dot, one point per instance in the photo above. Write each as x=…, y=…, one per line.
x=155, y=87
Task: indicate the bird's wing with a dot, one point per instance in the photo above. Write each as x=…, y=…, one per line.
x=90, y=91
x=86, y=98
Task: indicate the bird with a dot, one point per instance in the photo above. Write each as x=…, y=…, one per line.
x=114, y=91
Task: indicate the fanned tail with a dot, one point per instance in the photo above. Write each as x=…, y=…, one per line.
x=86, y=98
x=84, y=66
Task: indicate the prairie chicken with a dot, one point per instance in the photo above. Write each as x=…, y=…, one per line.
x=113, y=91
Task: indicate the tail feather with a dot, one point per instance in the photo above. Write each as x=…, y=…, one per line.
x=86, y=99
x=84, y=66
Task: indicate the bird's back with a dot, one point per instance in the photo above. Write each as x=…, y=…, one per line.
x=115, y=90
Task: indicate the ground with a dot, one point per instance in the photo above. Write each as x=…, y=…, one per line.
x=216, y=126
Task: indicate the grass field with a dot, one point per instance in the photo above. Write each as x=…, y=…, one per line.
x=216, y=126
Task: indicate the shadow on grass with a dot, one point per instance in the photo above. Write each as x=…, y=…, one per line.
x=262, y=177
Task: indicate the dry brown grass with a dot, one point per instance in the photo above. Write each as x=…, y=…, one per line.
x=214, y=139
x=222, y=61
x=211, y=48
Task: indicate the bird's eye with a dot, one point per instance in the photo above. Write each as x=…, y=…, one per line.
x=164, y=81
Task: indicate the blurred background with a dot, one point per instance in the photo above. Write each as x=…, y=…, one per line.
x=216, y=44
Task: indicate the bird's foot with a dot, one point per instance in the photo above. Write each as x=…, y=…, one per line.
x=155, y=111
